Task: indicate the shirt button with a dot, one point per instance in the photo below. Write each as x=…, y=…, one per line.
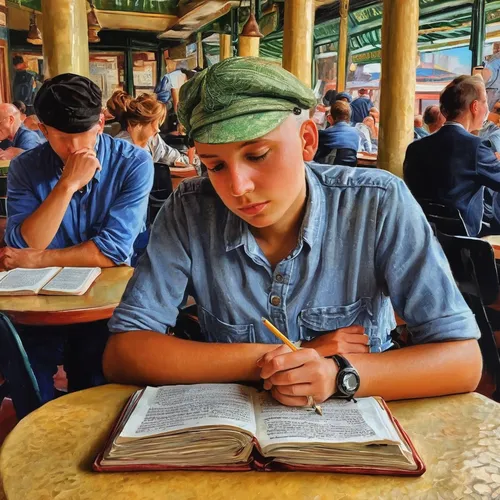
x=275, y=300
x=279, y=278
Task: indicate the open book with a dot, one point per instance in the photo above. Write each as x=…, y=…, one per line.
x=233, y=427
x=48, y=281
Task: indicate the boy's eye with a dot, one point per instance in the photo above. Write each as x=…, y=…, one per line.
x=216, y=168
x=257, y=158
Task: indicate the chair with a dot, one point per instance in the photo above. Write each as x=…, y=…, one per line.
x=162, y=189
x=447, y=220
x=15, y=366
x=472, y=263
x=343, y=156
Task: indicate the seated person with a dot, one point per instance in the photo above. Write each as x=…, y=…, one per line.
x=433, y=118
x=140, y=120
x=453, y=166
x=344, y=96
x=78, y=200
x=320, y=252
x=22, y=110
x=369, y=135
x=419, y=130
x=340, y=136
x=491, y=129
x=361, y=106
x=14, y=137
x=33, y=123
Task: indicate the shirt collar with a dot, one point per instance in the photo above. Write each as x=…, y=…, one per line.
x=236, y=229
x=452, y=123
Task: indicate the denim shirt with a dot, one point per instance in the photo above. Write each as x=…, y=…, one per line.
x=363, y=238
x=110, y=210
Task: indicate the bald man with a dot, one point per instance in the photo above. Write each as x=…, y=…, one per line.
x=14, y=137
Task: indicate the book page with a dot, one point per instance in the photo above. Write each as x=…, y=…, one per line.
x=72, y=279
x=342, y=422
x=170, y=408
x=3, y=274
x=27, y=279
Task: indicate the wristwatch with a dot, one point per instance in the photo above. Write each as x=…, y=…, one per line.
x=348, y=380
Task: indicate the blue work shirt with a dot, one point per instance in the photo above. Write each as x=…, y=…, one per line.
x=110, y=210
x=339, y=136
x=24, y=139
x=363, y=237
x=361, y=108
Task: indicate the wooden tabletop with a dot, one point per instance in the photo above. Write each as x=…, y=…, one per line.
x=49, y=455
x=367, y=160
x=98, y=303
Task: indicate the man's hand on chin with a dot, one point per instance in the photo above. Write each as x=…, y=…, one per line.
x=10, y=258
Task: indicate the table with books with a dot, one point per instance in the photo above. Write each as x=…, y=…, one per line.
x=52, y=452
x=97, y=303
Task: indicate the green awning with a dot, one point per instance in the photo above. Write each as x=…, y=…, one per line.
x=149, y=6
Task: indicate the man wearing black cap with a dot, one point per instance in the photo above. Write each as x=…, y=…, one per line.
x=78, y=200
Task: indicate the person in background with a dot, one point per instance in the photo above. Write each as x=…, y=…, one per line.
x=433, y=118
x=369, y=135
x=345, y=97
x=24, y=84
x=340, y=136
x=324, y=253
x=453, y=166
x=491, y=128
x=140, y=120
x=491, y=76
x=79, y=200
x=33, y=123
x=361, y=106
x=419, y=130
x=14, y=137
x=22, y=109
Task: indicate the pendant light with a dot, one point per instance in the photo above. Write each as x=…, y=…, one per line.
x=93, y=24
x=34, y=35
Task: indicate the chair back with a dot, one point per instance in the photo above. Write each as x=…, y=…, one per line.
x=162, y=189
x=342, y=156
x=473, y=265
x=16, y=368
x=446, y=219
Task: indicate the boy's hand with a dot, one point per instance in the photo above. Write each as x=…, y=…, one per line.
x=342, y=341
x=292, y=376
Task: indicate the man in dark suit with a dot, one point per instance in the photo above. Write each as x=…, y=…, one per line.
x=453, y=166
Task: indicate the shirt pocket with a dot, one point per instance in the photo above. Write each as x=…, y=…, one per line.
x=318, y=320
x=215, y=330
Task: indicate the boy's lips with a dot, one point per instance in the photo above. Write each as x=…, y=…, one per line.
x=254, y=208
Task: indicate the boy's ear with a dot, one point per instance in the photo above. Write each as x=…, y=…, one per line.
x=309, y=136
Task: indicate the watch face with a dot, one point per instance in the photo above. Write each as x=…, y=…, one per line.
x=350, y=383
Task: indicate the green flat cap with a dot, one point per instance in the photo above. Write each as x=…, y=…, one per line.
x=240, y=99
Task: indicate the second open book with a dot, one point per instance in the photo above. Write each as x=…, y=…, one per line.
x=48, y=281
x=233, y=427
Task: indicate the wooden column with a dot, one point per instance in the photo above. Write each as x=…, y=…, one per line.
x=342, y=48
x=65, y=38
x=397, y=85
x=226, y=48
x=298, y=38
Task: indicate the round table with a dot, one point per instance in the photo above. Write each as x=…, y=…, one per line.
x=50, y=453
x=97, y=303
x=367, y=160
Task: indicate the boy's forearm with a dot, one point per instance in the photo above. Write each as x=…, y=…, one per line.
x=420, y=371
x=85, y=254
x=145, y=357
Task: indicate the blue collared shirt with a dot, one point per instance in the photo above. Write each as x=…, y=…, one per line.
x=110, y=210
x=339, y=136
x=24, y=139
x=363, y=238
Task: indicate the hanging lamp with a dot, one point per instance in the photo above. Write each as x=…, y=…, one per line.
x=34, y=35
x=93, y=24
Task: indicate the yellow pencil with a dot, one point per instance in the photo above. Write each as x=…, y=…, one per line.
x=283, y=339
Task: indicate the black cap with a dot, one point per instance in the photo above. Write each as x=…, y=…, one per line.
x=70, y=103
